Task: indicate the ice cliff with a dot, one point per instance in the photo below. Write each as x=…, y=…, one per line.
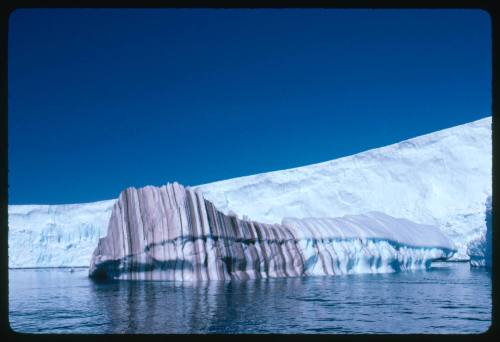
x=480, y=250
x=56, y=235
x=440, y=179
x=173, y=233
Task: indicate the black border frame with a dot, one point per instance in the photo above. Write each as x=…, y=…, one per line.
x=9, y=6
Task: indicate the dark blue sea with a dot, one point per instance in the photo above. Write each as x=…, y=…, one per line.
x=448, y=298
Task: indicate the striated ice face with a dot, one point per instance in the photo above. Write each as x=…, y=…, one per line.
x=173, y=233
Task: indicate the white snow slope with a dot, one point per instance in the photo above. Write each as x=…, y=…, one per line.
x=440, y=179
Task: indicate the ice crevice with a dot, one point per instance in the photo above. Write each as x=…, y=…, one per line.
x=480, y=250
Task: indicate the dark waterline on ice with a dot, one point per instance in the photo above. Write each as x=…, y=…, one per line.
x=448, y=298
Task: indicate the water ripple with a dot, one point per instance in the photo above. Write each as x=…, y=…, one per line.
x=451, y=299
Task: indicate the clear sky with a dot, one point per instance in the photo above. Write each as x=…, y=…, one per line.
x=100, y=100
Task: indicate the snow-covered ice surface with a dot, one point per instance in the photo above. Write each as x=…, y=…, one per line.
x=372, y=225
x=56, y=235
x=440, y=179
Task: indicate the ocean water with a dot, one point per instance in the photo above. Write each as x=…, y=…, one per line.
x=448, y=298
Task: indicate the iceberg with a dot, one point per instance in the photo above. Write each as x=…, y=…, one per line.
x=173, y=233
x=440, y=179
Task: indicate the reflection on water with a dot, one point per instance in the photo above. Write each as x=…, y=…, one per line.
x=194, y=307
x=448, y=299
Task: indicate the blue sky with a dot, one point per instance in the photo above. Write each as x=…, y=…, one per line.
x=100, y=100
